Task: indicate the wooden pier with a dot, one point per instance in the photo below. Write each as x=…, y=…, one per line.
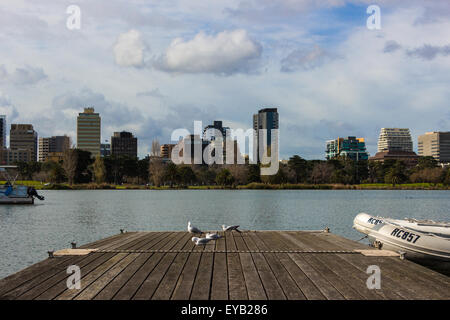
x=255, y=265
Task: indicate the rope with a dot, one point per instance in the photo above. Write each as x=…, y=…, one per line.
x=222, y=251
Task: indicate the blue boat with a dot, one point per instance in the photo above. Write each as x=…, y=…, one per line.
x=10, y=193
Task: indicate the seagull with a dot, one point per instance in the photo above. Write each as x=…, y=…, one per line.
x=199, y=241
x=213, y=236
x=230, y=228
x=193, y=229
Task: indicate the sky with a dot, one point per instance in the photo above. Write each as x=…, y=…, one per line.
x=151, y=67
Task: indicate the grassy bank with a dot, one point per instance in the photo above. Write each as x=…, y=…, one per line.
x=252, y=186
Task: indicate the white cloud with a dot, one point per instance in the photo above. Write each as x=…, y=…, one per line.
x=7, y=108
x=305, y=59
x=22, y=76
x=226, y=53
x=129, y=49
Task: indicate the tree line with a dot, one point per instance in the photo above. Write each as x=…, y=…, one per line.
x=78, y=167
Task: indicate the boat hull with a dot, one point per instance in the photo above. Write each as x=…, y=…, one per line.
x=413, y=244
x=16, y=200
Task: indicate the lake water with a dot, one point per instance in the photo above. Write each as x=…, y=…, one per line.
x=28, y=232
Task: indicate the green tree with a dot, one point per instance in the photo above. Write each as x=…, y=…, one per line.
x=253, y=173
x=427, y=162
x=224, y=178
x=171, y=174
x=99, y=169
x=299, y=166
x=70, y=161
x=396, y=174
x=55, y=171
x=186, y=175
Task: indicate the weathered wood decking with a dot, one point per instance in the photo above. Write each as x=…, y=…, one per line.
x=258, y=265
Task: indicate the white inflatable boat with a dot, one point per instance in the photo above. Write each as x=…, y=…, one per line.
x=424, y=241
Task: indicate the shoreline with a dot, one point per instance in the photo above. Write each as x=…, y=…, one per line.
x=252, y=186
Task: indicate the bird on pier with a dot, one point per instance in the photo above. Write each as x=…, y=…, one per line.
x=193, y=229
x=200, y=241
x=213, y=236
x=230, y=228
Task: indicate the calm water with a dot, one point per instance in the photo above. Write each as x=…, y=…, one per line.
x=28, y=232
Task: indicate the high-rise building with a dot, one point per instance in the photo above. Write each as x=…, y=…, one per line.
x=124, y=144
x=435, y=144
x=2, y=131
x=267, y=119
x=105, y=149
x=166, y=150
x=209, y=134
x=54, y=145
x=89, y=131
x=395, y=139
x=191, y=149
x=395, y=144
x=350, y=147
x=23, y=143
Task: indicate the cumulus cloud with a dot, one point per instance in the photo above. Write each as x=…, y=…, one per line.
x=22, y=76
x=129, y=49
x=7, y=108
x=391, y=46
x=305, y=59
x=226, y=53
x=156, y=93
x=429, y=52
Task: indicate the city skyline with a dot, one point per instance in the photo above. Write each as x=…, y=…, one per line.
x=329, y=76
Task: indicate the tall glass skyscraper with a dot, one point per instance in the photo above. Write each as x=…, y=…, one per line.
x=266, y=118
x=89, y=131
x=2, y=131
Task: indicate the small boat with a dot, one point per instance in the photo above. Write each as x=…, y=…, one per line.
x=424, y=241
x=10, y=193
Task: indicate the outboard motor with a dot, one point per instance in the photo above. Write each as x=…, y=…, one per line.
x=33, y=193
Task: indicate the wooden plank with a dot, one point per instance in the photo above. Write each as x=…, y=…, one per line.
x=49, y=273
x=289, y=286
x=253, y=282
x=134, y=283
x=185, y=282
x=389, y=290
x=150, y=284
x=202, y=282
x=69, y=294
x=60, y=287
x=269, y=281
x=22, y=277
x=112, y=238
x=236, y=281
x=219, y=285
x=396, y=282
x=168, y=283
x=92, y=290
x=349, y=274
x=109, y=291
x=60, y=276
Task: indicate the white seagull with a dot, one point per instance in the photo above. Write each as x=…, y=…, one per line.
x=213, y=236
x=230, y=228
x=193, y=229
x=201, y=241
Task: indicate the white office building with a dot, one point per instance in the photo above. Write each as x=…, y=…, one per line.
x=395, y=139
